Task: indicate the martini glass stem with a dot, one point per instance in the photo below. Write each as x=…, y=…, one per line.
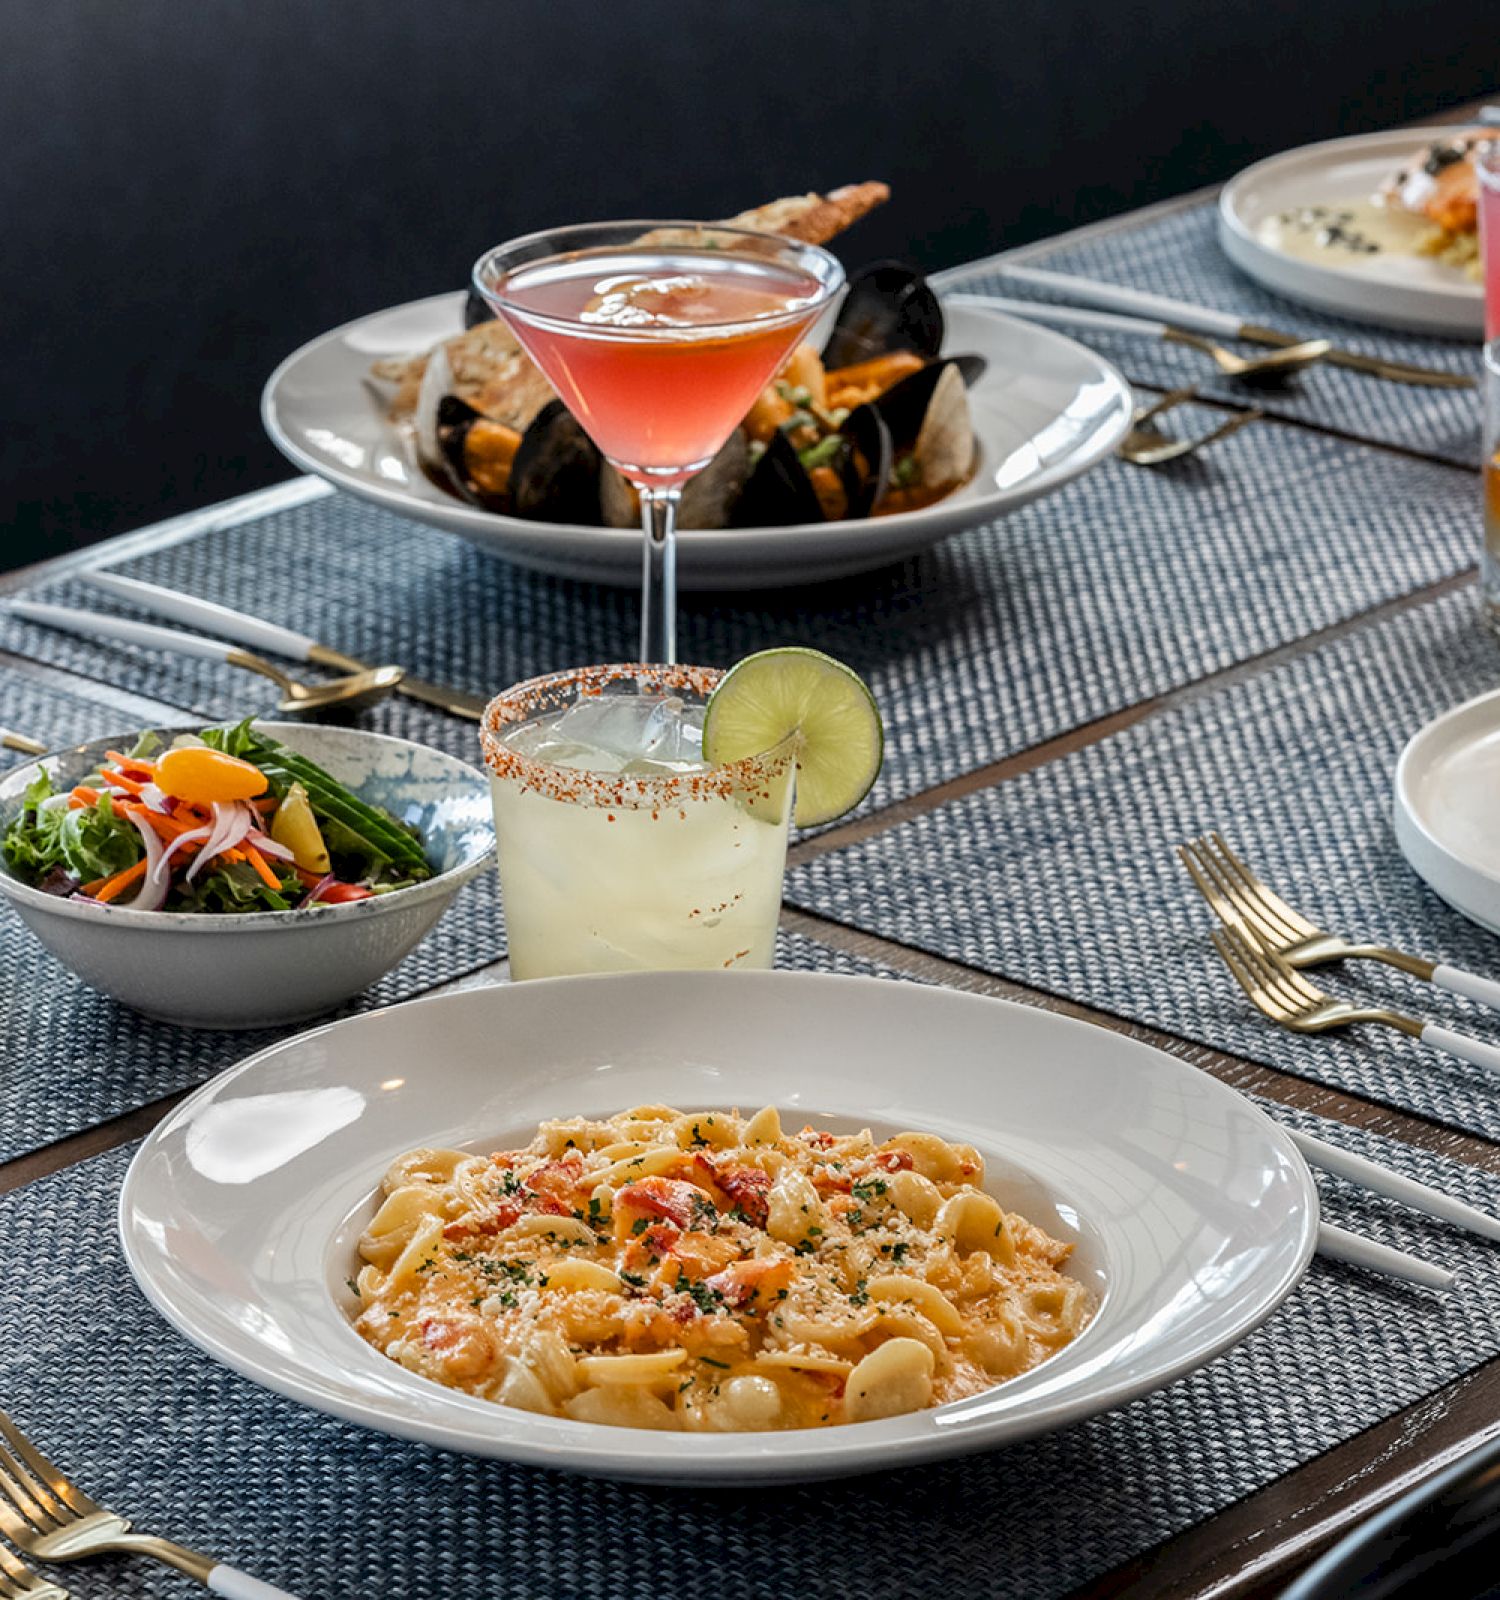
x=659, y=575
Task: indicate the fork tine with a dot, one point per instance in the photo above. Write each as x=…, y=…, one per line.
x=59, y=1482
x=1296, y=993
x=1163, y=404
x=1242, y=908
x=1242, y=975
x=1298, y=927
x=29, y=1501
x=1220, y=907
x=1223, y=431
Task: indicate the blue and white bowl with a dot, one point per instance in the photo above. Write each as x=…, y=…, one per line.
x=208, y=970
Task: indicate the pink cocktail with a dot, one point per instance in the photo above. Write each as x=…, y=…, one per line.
x=658, y=337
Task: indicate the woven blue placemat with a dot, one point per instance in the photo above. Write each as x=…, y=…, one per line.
x=57, y=710
x=1123, y=585
x=70, y=1058
x=1178, y=255
x=1065, y=877
x=334, y=1513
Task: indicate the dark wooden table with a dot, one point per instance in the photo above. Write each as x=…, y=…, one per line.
x=1253, y=1549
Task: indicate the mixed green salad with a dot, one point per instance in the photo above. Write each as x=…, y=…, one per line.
x=227, y=820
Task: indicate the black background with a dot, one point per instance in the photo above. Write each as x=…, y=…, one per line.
x=191, y=188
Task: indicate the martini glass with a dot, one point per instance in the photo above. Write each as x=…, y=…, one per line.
x=658, y=336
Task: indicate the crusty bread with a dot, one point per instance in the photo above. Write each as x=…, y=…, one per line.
x=814, y=218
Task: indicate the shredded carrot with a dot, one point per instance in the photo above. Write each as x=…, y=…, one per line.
x=258, y=861
x=134, y=763
x=167, y=827
x=121, y=881
x=120, y=781
x=266, y=804
x=90, y=888
x=231, y=855
x=83, y=796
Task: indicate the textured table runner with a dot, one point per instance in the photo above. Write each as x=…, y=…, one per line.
x=331, y=1512
x=1123, y=585
x=71, y=1058
x=1065, y=877
x=1178, y=254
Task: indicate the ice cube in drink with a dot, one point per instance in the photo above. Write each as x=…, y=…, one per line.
x=620, y=848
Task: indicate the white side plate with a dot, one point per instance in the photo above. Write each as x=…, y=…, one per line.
x=1045, y=411
x=1194, y=1216
x=1413, y=293
x=1448, y=807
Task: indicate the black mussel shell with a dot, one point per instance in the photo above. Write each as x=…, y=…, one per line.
x=555, y=475
x=868, y=458
x=972, y=367
x=454, y=419
x=904, y=405
x=477, y=309
x=778, y=493
x=887, y=306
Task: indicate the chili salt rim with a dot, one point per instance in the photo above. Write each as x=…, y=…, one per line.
x=556, y=691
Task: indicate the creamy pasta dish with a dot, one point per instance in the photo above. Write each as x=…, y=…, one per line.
x=705, y=1271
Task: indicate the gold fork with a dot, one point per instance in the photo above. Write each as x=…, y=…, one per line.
x=19, y=1582
x=43, y=1513
x=1232, y=889
x=1285, y=996
x=1145, y=446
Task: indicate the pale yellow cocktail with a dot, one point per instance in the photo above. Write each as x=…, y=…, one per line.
x=621, y=849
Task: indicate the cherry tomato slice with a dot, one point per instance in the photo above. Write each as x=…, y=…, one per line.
x=337, y=894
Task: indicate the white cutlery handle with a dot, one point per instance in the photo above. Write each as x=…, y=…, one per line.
x=252, y=631
x=241, y=1586
x=1474, y=1051
x=1469, y=984
x=1338, y=1244
x=1060, y=316
x=1134, y=302
x=96, y=624
x=1394, y=1185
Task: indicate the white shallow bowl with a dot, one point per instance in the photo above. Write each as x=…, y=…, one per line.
x=1414, y=293
x=1447, y=807
x=1193, y=1214
x=1045, y=411
x=248, y=971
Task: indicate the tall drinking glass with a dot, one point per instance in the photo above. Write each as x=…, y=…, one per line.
x=621, y=849
x=658, y=336
x=1489, y=239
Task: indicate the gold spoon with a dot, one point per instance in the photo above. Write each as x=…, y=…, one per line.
x=1277, y=365
x=298, y=699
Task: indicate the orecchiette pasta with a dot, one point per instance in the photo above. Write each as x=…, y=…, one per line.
x=705, y=1272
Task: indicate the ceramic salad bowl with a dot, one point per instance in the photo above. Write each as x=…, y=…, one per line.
x=247, y=970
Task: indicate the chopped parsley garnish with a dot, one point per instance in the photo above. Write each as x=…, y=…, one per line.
x=634, y=1279
x=701, y=1295
x=868, y=1188
x=640, y=1225
x=860, y=1295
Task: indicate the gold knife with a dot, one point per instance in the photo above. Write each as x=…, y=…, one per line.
x=261, y=635
x=1376, y=366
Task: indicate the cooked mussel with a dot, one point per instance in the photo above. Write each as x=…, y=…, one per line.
x=556, y=471
x=931, y=435
x=707, y=498
x=843, y=476
x=887, y=306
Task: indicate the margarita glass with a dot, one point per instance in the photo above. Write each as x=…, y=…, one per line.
x=658, y=336
x=621, y=849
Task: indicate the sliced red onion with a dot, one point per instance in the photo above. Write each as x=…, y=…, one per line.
x=312, y=894
x=232, y=821
x=152, y=893
x=192, y=836
x=152, y=798
x=268, y=846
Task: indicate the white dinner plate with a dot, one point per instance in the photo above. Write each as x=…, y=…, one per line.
x=1414, y=293
x=1045, y=411
x=1448, y=807
x=1192, y=1212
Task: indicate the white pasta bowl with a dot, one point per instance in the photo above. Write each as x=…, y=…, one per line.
x=254, y=969
x=1192, y=1213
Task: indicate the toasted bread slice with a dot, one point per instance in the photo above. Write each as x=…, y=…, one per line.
x=814, y=218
